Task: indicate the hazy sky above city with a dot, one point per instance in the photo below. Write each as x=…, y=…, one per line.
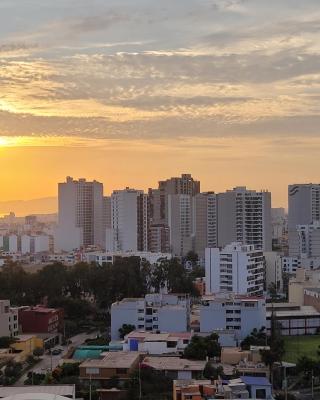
x=133, y=91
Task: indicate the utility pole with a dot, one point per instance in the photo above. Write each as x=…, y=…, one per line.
x=140, y=389
x=90, y=388
x=312, y=385
x=285, y=384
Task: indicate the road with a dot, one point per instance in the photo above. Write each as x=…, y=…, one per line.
x=50, y=362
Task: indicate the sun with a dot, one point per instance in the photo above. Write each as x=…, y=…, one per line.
x=3, y=141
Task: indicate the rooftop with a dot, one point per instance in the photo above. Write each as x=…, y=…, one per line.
x=117, y=359
x=173, y=364
x=58, y=390
x=295, y=312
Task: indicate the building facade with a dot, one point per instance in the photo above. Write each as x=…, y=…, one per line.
x=304, y=209
x=129, y=221
x=236, y=268
x=80, y=220
x=9, y=320
x=155, y=312
x=41, y=320
x=245, y=216
x=232, y=312
x=205, y=222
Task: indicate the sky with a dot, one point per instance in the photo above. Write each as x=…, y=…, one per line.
x=130, y=92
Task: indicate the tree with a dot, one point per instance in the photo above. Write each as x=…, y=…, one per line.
x=13, y=369
x=125, y=330
x=256, y=338
x=6, y=342
x=202, y=347
x=211, y=372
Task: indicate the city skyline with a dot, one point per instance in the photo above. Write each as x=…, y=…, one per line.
x=132, y=92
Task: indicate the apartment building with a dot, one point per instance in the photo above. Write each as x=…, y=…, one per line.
x=205, y=222
x=9, y=321
x=237, y=268
x=129, y=221
x=156, y=312
x=180, y=221
x=80, y=218
x=304, y=209
x=167, y=213
x=232, y=312
x=245, y=216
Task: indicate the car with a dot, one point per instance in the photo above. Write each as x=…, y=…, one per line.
x=56, y=352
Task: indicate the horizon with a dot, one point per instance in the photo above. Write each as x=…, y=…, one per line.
x=227, y=89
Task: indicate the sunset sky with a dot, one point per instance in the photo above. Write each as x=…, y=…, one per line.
x=133, y=91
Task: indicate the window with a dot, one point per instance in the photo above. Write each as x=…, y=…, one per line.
x=121, y=371
x=92, y=371
x=261, y=394
x=140, y=326
x=141, y=311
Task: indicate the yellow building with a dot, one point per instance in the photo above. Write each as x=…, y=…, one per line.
x=25, y=344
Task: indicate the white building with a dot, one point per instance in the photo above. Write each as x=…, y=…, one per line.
x=80, y=221
x=237, y=268
x=304, y=209
x=155, y=312
x=9, y=324
x=129, y=221
x=157, y=343
x=245, y=216
x=180, y=221
x=109, y=257
x=34, y=244
x=232, y=312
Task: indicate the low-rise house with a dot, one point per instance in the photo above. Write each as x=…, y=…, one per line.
x=193, y=389
x=175, y=367
x=120, y=364
x=25, y=344
x=157, y=343
x=246, y=387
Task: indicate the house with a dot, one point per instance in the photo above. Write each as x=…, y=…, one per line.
x=192, y=389
x=157, y=343
x=120, y=364
x=175, y=367
x=247, y=387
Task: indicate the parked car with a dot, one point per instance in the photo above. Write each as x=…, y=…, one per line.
x=56, y=352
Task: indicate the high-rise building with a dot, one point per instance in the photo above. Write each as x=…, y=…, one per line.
x=80, y=221
x=307, y=241
x=237, y=268
x=180, y=221
x=159, y=238
x=245, y=216
x=129, y=221
x=304, y=209
x=166, y=212
x=205, y=222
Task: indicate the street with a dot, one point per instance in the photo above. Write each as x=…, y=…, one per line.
x=50, y=362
